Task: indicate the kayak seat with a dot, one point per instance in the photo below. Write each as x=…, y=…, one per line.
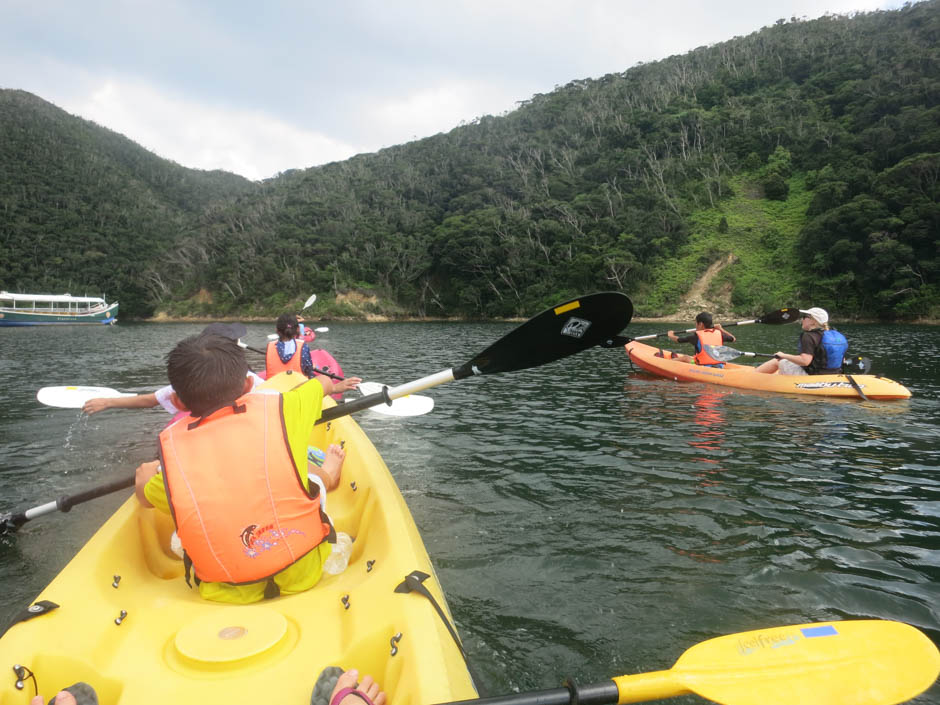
x=156, y=527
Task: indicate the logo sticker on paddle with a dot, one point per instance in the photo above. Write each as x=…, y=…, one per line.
x=575, y=327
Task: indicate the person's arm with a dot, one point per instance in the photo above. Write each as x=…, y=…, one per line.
x=332, y=386
x=140, y=401
x=142, y=476
x=805, y=358
x=726, y=337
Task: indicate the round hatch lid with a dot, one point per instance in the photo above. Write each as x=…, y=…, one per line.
x=231, y=634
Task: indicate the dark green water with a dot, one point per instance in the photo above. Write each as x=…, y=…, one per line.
x=586, y=520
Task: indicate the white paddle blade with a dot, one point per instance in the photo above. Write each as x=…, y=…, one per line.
x=75, y=397
x=273, y=336
x=408, y=405
x=322, y=329
x=309, y=302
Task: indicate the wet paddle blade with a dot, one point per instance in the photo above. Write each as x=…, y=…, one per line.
x=865, y=662
x=408, y=405
x=556, y=333
x=75, y=397
x=722, y=353
x=309, y=302
x=857, y=365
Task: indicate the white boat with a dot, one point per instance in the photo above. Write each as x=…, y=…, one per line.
x=54, y=309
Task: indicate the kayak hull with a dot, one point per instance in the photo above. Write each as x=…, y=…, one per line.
x=322, y=360
x=648, y=358
x=172, y=646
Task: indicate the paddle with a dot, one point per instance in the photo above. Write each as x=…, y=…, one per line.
x=10, y=521
x=309, y=302
x=723, y=353
x=74, y=397
x=552, y=335
x=784, y=315
x=864, y=662
x=408, y=405
x=321, y=329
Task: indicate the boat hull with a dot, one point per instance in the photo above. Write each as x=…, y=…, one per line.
x=10, y=317
x=172, y=646
x=744, y=377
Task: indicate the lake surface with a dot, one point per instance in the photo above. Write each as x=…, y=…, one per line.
x=586, y=520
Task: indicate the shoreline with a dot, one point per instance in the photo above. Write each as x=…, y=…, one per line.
x=373, y=318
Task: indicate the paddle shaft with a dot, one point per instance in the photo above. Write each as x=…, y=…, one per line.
x=594, y=694
x=389, y=394
x=784, y=315
x=65, y=503
x=692, y=330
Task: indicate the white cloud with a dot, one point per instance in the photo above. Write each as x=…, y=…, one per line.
x=429, y=110
x=252, y=143
x=309, y=83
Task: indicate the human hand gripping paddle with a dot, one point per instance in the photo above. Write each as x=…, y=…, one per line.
x=863, y=662
x=554, y=334
x=784, y=315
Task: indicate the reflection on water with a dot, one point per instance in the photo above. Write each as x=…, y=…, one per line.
x=584, y=518
x=708, y=434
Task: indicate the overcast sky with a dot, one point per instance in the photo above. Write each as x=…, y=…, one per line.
x=262, y=87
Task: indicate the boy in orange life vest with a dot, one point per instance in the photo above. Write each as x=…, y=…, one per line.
x=234, y=475
x=705, y=334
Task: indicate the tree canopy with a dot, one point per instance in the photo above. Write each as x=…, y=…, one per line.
x=602, y=184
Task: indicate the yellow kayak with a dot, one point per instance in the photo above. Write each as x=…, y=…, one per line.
x=658, y=362
x=128, y=625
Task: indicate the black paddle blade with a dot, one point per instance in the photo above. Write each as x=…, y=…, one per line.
x=784, y=315
x=560, y=331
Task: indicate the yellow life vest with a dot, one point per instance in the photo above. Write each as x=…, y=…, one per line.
x=241, y=511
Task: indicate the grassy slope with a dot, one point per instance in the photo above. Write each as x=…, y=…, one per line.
x=762, y=234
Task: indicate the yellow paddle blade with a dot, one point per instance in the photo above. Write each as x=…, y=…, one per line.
x=865, y=662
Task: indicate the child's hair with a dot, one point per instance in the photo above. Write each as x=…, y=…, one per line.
x=287, y=326
x=705, y=319
x=207, y=372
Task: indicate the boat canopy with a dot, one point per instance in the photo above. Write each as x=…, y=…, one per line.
x=51, y=298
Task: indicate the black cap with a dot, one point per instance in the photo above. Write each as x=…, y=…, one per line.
x=226, y=330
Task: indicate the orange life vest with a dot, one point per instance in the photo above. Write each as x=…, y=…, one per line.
x=272, y=361
x=241, y=511
x=707, y=336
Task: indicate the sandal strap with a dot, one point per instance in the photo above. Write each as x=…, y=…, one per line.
x=338, y=698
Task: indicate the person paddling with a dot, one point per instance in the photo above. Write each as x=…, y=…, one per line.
x=232, y=476
x=705, y=334
x=821, y=349
x=289, y=351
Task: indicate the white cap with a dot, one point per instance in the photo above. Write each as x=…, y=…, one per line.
x=818, y=314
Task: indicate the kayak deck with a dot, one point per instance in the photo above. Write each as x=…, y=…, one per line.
x=172, y=646
x=658, y=362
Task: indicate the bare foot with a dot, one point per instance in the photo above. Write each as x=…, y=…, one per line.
x=367, y=687
x=332, y=466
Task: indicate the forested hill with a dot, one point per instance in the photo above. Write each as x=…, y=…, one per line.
x=85, y=210
x=805, y=156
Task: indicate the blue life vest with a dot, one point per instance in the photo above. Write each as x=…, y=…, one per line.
x=830, y=353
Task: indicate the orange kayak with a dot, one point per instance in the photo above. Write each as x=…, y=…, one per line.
x=658, y=362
